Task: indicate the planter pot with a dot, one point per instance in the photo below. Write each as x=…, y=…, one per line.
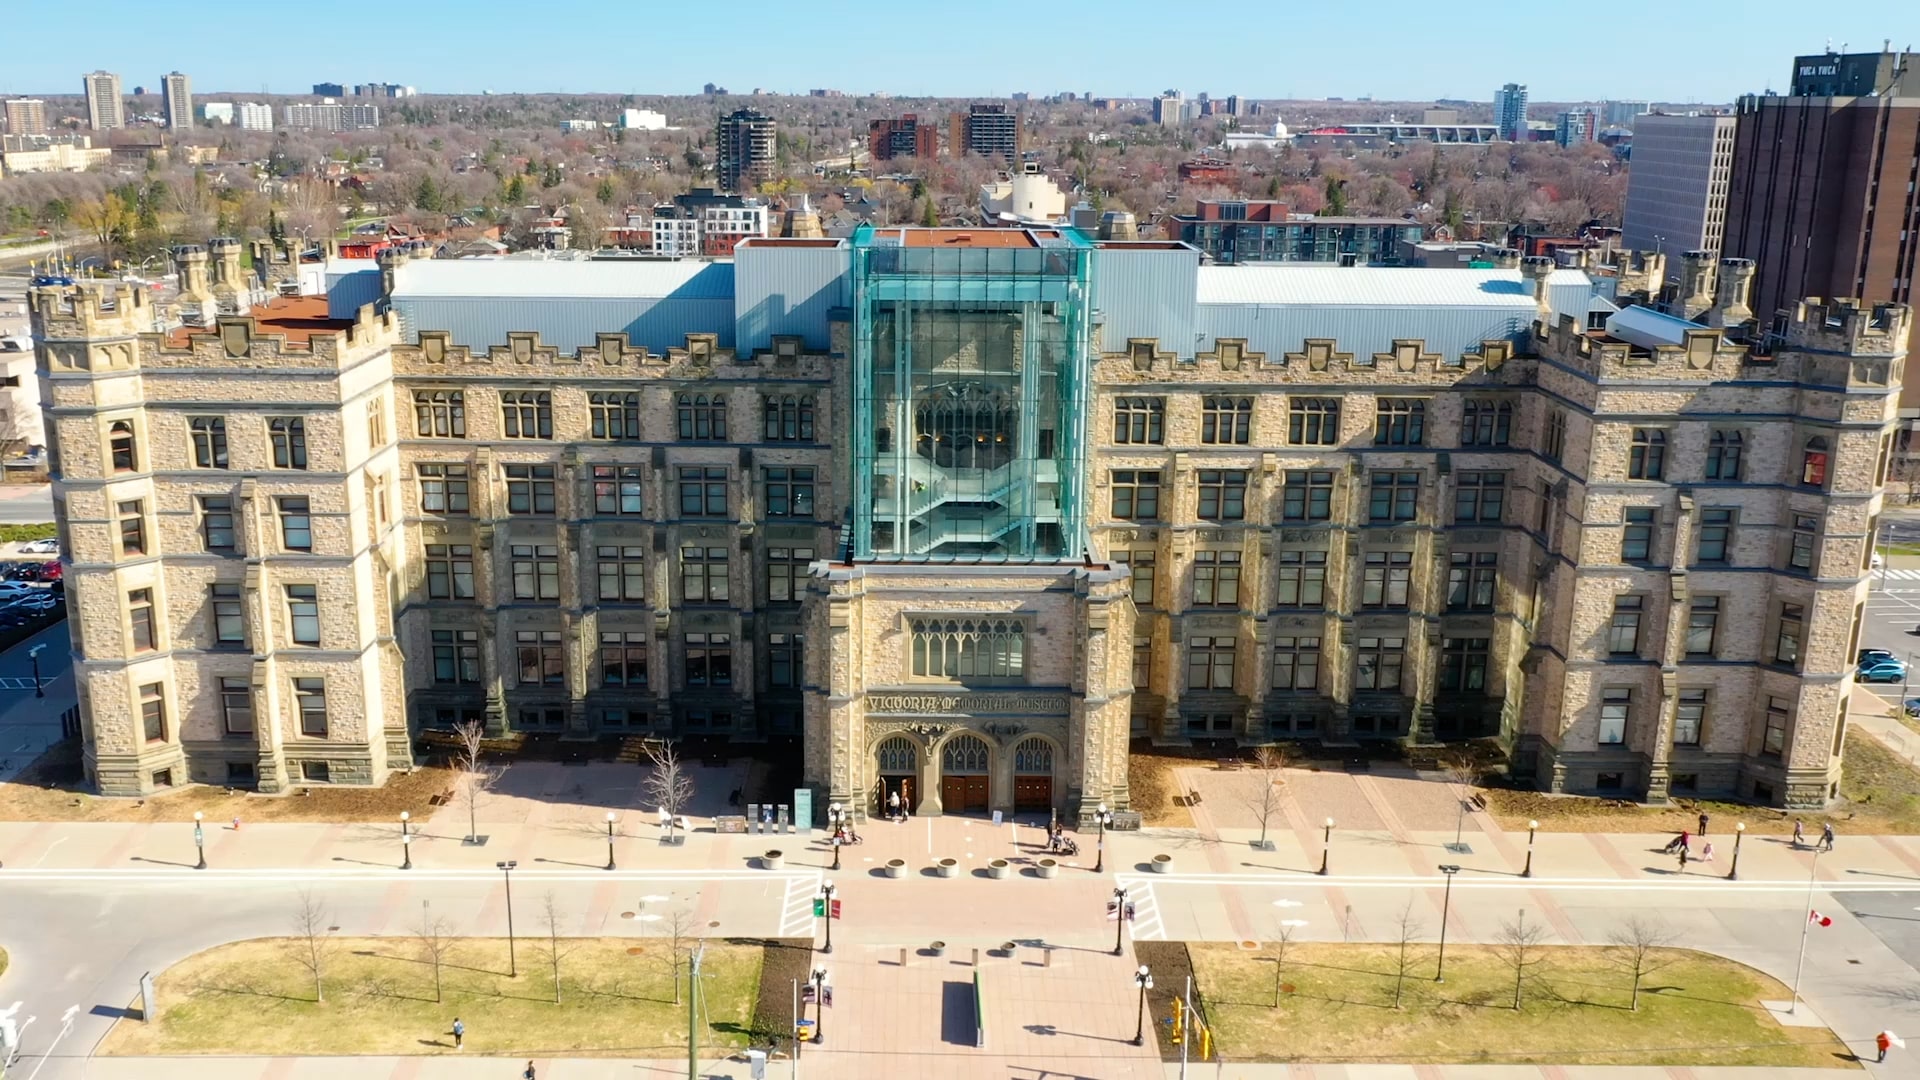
x=947, y=867
x=938, y=948
x=1162, y=863
x=1049, y=867
x=997, y=868
x=773, y=860
x=896, y=867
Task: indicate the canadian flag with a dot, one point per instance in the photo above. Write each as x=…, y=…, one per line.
x=1816, y=917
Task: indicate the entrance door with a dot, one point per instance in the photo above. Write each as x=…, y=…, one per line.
x=1033, y=775
x=964, y=762
x=963, y=794
x=899, y=763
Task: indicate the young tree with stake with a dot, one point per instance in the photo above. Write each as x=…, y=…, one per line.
x=435, y=938
x=1409, y=928
x=1519, y=944
x=312, y=946
x=1268, y=762
x=1638, y=948
x=476, y=775
x=669, y=784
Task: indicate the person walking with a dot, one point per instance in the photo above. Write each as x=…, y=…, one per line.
x=1706, y=852
x=1799, y=833
x=893, y=806
x=1703, y=822
x=1826, y=836
x=459, y=1034
x=666, y=819
x=1683, y=858
x=1677, y=842
x=906, y=806
x=528, y=1075
x=1882, y=1042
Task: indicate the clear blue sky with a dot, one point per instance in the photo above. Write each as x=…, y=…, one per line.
x=1679, y=50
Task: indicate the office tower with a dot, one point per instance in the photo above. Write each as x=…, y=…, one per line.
x=991, y=131
x=1575, y=126
x=903, y=136
x=1677, y=186
x=26, y=116
x=1510, y=111
x=329, y=89
x=176, y=101
x=1167, y=108
x=1622, y=114
x=104, y=109
x=745, y=147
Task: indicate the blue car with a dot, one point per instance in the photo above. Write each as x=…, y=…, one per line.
x=1889, y=670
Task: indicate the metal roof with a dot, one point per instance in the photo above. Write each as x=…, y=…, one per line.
x=1372, y=286
x=1647, y=328
x=471, y=279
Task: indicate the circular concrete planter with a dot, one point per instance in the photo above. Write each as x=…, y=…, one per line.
x=997, y=868
x=896, y=867
x=1162, y=864
x=1048, y=867
x=947, y=867
x=938, y=948
x=773, y=860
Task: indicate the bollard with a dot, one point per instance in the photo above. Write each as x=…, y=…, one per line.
x=976, y=956
x=1046, y=958
x=903, y=956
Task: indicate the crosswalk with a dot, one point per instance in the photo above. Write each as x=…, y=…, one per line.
x=1898, y=575
x=9, y=682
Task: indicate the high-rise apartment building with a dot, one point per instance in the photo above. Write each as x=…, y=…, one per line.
x=1677, y=187
x=1168, y=107
x=26, y=116
x=1575, y=126
x=1510, y=111
x=900, y=137
x=1823, y=196
x=1622, y=114
x=989, y=130
x=105, y=111
x=258, y=116
x=330, y=116
x=176, y=100
x=745, y=149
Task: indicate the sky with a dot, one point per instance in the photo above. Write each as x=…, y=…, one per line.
x=1705, y=51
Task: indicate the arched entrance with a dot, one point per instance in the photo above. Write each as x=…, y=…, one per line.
x=1033, y=774
x=899, y=768
x=963, y=774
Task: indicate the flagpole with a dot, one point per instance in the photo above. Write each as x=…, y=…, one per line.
x=1806, y=925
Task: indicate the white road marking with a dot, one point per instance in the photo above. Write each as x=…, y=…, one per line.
x=1693, y=884
x=1287, y=903
x=1293, y=922
x=796, y=907
x=1147, y=924
x=218, y=876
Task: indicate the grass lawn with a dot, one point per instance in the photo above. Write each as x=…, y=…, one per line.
x=1696, y=1010
x=256, y=997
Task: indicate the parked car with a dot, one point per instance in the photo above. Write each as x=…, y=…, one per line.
x=1874, y=654
x=1882, y=671
x=1911, y=707
x=48, y=546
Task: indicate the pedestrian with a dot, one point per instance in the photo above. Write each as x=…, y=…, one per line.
x=236, y=824
x=459, y=1034
x=1703, y=823
x=1826, y=836
x=906, y=806
x=893, y=806
x=1799, y=833
x=1706, y=852
x=1676, y=843
x=1683, y=859
x=528, y=1075
x=666, y=819
x=1882, y=1042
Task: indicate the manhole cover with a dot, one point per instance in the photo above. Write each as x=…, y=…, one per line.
x=635, y=951
x=713, y=925
x=626, y=914
x=1250, y=946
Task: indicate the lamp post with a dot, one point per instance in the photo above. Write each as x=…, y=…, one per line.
x=33, y=654
x=1739, y=832
x=405, y=817
x=819, y=977
x=609, y=839
x=1104, y=817
x=1532, y=827
x=836, y=816
x=199, y=841
x=1446, y=902
x=826, y=911
x=1326, y=846
x=1119, y=916
x=506, y=871
x=1144, y=980
x=406, y=851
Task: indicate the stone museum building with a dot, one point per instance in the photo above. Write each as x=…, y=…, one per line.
x=961, y=513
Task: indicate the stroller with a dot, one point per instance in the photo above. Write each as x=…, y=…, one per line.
x=1061, y=844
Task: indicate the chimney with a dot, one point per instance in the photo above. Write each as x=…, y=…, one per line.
x=1506, y=258
x=1119, y=225
x=390, y=259
x=190, y=262
x=230, y=288
x=1730, y=294
x=1535, y=271
x=1696, y=283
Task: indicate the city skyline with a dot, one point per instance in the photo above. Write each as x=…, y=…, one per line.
x=1751, y=46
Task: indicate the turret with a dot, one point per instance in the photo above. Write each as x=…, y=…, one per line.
x=1730, y=294
x=1696, y=284
x=1119, y=225
x=390, y=260
x=1535, y=271
x=230, y=288
x=1506, y=258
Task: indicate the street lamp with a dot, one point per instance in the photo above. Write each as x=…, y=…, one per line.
x=405, y=816
x=609, y=839
x=33, y=654
x=506, y=871
x=826, y=910
x=1119, y=916
x=406, y=851
x=1326, y=847
x=819, y=978
x=1144, y=980
x=1104, y=817
x=1446, y=902
x=836, y=816
x=1739, y=831
x=199, y=841
x=1532, y=827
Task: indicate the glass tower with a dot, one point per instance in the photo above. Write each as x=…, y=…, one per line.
x=970, y=353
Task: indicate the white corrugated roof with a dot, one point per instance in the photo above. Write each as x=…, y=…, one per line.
x=1645, y=327
x=563, y=280
x=1371, y=286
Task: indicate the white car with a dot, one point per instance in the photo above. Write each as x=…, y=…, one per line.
x=40, y=547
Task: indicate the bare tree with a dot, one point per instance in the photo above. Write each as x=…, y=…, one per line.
x=1409, y=928
x=669, y=784
x=1463, y=771
x=476, y=775
x=556, y=952
x=312, y=945
x=1519, y=943
x=436, y=939
x=676, y=929
x=1280, y=945
x=1638, y=947
x=1268, y=763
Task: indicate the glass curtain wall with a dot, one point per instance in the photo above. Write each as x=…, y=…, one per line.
x=970, y=368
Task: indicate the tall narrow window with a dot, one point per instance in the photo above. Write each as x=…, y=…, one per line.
x=1216, y=578
x=1226, y=420
x=1313, y=421
x=1616, y=703
x=1140, y=563
x=288, y=435
x=1555, y=442
x=1703, y=626
x=1690, y=718
x=229, y=615
x=783, y=661
x=153, y=712
x=1716, y=535
x=310, y=697
x=440, y=414
x=1636, y=534
x=209, y=441
x=303, y=614
x=1786, y=640
x=123, y=453
x=133, y=527
x=1139, y=420
x=1399, y=422
x=296, y=524
x=1724, y=451
x=376, y=424
x=526, y=414
x=1623, y=631
x=614, y=414
x=140, y=620
x=1647, y=454
x=1806, y=538
x=236, y=706
x=1814, y=460
x=788, y=417
x=1773, y=736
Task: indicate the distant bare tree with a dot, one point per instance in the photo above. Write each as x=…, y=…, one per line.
x=556, y=952
x=1463, y=771
x=436, y=939
x=476, y=775
x=1268, y=762
x=1409, y=928
x=1637, y=947
x=1280, y=945
x=312, y=945
x=1520, y=944
x=677, y=930
x=669, y=785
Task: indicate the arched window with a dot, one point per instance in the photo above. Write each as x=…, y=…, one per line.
x=440, y=414
x=789, y=417
x=1033, y=757
x=121, y=447
x=963, y=754
x=1813, y=463
x=969, y=648
x=1723, y=455
x=703, y=417
x=1484, y=422
x=897, y=755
